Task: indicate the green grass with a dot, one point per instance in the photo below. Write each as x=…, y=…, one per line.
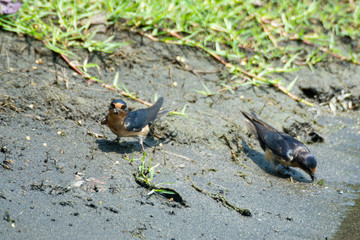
x=253, y=41
x=145, y=175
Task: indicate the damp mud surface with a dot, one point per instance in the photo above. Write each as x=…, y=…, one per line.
x=63, y=177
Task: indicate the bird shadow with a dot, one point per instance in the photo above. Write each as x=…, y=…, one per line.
x=258, y=159
x=127, y=145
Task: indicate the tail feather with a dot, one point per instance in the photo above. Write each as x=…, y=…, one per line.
x=153, y=111
x=249, y=124
x=157, y=104
x=254, y=120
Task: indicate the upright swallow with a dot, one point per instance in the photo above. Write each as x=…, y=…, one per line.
x=281, y=148
x=124, y=123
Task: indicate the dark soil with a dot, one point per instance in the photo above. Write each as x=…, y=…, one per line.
x=63, y=177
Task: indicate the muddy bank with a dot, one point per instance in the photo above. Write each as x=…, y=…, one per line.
x=62, y=174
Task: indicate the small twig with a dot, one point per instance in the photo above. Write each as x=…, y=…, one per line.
x=178, y=155
x=72, y=65
x=271, y=37
x=189, y=70
x=207, y=72
x=322, y=49
x=232, y=88
x=107, y=86
x=6, y=166
x=296, y=98
x=217, y=57
x=150, y=36
x=94, y=134
x=112, y=88
x=222, y=199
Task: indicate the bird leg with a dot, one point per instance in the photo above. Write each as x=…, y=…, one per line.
x=271, y=159
x=275, y=164
x=141, y=141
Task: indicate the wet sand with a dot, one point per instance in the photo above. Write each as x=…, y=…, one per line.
x=62, y=176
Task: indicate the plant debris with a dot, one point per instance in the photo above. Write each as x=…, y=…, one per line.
x=144, y=177
x=221, y=198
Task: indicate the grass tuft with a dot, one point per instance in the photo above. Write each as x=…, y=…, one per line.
x=253, y=39
x=144, y=177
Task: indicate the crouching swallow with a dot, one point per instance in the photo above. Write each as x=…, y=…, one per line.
x=124, y=123
x=281, y=148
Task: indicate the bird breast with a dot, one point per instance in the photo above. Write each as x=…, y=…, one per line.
x=116, y=124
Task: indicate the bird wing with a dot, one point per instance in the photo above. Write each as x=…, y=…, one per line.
x=280, y=144
x=259, y=128
x=254, y=119
x=283, y=145
x=135, y=121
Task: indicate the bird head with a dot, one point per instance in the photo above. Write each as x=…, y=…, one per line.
x=117, y=106
x=307, y=162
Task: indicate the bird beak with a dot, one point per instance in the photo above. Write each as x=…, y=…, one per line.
x=312, y=177
x=116, y=110
x=312, y=173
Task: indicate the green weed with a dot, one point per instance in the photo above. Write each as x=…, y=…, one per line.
x=253, y=39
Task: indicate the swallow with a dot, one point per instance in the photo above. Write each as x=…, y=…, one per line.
x=281, y=148
x=124, y=123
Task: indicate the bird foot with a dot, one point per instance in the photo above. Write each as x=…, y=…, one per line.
x=142, y=142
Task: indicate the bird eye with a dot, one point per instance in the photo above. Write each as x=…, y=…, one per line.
x=112, y=105
x=123, y=107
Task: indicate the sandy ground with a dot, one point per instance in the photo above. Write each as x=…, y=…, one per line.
x=63, y=177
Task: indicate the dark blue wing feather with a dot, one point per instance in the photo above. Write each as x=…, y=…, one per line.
x=280, y=144
x=135, y=121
